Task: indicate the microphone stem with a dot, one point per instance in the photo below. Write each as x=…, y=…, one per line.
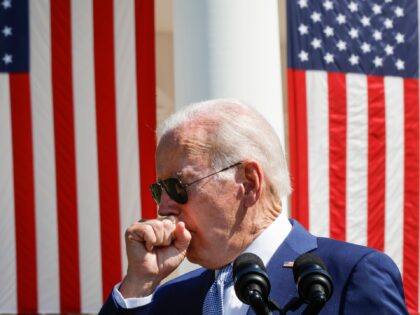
x=258, y=304
x=317, y=302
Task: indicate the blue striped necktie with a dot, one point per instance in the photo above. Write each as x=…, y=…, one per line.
x=213, y=303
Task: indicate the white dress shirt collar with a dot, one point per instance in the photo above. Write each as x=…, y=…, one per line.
x=270, y=239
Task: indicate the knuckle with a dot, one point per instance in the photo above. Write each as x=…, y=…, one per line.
x=129, y=230
x=167, y=224
x=152, y=222
x=169, y=218
x=148, y=228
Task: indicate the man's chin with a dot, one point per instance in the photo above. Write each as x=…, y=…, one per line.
x=194, y=257
x=191, y=255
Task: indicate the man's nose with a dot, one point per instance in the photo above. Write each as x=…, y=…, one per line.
x=167, y=206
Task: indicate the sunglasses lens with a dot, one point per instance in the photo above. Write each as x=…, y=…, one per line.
x=156, y=191
x=175, y=190
x=173, y=187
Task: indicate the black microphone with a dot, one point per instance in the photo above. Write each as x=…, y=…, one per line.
x=313, y=281
x=251, y=282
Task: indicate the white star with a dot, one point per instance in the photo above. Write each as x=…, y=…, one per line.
x=354, y=32
x=399, y=38
x=303, y=56
x=365, y=21
x=303, y=29
x=329, y=58
x=7, y=31
x=341, y=19
x=388, y=23
x=378, y=62
x=303, y=3
x=353, y=6
x=341, y=45
x=377, y=9
x=388, y=1
x=316, y=17
x=7, y=59
x=389, y=50
x=365, y=47
x=328, y=31
x=316, y=43
x=377, y=35
x=6, y=4
x=328, y=5
x=354, y=60
x=400, y=64
x=399, y=12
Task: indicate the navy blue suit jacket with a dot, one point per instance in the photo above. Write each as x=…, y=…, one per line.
x=365, y=281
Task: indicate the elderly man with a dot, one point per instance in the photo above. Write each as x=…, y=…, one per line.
x=221, y=175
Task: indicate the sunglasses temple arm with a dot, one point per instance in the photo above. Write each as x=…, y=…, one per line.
x=222, y=170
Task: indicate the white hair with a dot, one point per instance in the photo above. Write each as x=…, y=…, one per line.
x=242, y=133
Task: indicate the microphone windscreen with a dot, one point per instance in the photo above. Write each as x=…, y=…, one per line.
x=245, y=260
x=250, y=277
x=305, y=260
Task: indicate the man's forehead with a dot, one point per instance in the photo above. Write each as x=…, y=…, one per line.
x=176, y=153
x=173, y=165
x=188, y=139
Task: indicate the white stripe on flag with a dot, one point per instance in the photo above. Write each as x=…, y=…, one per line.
x=394, y=191
x=318, y=152
x=44, y=159
x=86, y=156
x=127, y=131
x=8, y=287
x=356, y=173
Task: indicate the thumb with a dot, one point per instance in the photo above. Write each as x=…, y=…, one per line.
x=182, y=237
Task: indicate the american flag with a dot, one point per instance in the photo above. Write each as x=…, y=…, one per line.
x=354, y=125
x=77, y=120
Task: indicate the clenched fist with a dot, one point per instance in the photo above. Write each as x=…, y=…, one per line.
x=155, y=248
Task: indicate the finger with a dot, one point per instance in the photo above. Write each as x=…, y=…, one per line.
x=156, y=227
x=169, y=227
x=154, y=233
x=163, y=228
x=134, y=237
x=148, y=235
x=131, y=232
x=142, y=233
x=182, y=237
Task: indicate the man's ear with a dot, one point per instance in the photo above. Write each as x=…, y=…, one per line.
x=252, y=182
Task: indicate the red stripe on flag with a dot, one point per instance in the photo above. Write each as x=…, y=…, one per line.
x=107, y=143
x=411, y=194
x=298, y=145
x=24, y=193
x=146, y=102
x=337, y=135
x=376, y=162
x=65, y=157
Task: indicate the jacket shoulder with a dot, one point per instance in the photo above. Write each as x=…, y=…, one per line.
x=365, y=279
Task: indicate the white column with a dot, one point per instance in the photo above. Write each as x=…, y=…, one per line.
x=229, y=48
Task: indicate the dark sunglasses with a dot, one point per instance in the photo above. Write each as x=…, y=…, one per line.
x=176, y=189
